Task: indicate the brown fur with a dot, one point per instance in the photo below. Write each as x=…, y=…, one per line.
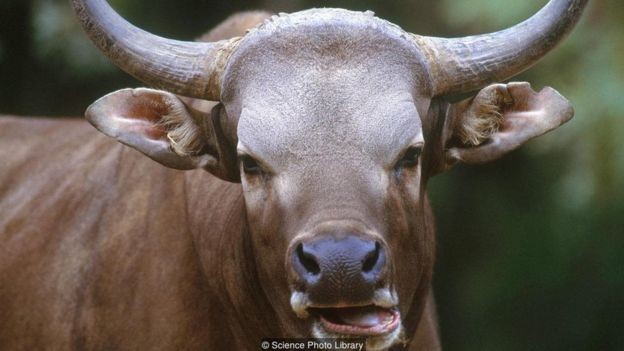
x=98, y=247
x=106, y=249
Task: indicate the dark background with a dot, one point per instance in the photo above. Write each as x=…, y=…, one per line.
x=531, y=247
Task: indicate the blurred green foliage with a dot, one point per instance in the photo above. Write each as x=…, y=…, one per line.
x=531, y=247
x=531, y=253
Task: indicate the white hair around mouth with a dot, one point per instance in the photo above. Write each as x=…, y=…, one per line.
x=384, y=297
x=299, y=302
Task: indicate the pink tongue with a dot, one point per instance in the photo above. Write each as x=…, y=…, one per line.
x=365, y=317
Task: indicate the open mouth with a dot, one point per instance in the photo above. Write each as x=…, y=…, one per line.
x=370, y=320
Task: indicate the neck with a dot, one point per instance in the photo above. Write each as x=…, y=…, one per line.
x=217, y=217
x=423, y=332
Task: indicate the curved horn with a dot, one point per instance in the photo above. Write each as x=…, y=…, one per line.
x=187, y=68
x=464, y=64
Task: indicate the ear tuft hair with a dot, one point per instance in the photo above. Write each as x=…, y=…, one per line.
x=482, y=120
x=477, y=127
x=183, y=133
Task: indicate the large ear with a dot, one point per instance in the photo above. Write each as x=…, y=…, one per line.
x=500, y=118
x=161, y=126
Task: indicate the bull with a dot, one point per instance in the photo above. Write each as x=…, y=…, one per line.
x=319, y=131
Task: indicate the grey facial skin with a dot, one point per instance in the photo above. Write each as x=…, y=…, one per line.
x=328, y=116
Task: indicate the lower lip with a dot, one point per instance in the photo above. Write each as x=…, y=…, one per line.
x=370, y=331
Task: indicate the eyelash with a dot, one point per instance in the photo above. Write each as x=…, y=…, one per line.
x=410, y=158
x=250, y=166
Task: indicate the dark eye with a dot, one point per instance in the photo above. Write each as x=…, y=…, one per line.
x=410, y=158
x=250, y=166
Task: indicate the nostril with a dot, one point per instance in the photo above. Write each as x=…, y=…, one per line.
x=370, y=261
x=308, y=261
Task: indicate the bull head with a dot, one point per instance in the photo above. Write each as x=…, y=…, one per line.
x=333, y=121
